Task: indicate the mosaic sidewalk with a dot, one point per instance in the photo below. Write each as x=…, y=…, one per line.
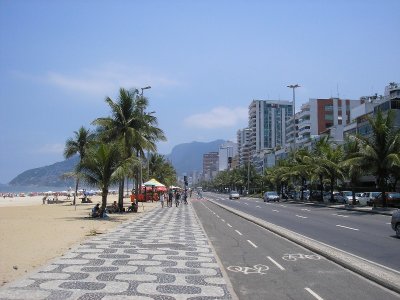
x=163, y=255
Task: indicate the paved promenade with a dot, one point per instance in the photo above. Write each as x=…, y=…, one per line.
x=163, y=255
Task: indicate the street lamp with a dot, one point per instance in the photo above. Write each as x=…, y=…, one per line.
x=293, y=87
x=141, y=171
x=144, y=88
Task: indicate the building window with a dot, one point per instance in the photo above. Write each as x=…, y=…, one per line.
x=395, y=104
x=328, y=107
x=328, y=117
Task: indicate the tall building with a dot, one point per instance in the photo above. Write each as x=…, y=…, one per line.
x=267, y=123
x=322, y=116
x=243, y=138
x=210, y=165
x=226, y=153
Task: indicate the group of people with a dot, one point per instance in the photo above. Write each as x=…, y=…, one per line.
x=173, y=195
x=98, y=212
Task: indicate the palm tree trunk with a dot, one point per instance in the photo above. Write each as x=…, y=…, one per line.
x=121, y=194
x=104, y=194
x=76, y=190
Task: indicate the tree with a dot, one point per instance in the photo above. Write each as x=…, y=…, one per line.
x=78, y=145
x=104, y=165
x=161, y=169
x=379, y=152
x=132, y=126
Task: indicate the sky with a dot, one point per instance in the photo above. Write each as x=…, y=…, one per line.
x=204, y=60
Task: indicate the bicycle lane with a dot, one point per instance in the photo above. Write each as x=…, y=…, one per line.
x=262, y=265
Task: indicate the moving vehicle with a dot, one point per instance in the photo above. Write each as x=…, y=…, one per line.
x=271, y=196
x=234, y=195
x=396, y=222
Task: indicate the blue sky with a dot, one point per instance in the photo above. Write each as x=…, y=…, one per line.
x=205, y=60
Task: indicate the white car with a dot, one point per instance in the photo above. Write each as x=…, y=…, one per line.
x=234, y=195
x=271, y=196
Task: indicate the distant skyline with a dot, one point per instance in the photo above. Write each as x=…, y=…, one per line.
x=204, y=60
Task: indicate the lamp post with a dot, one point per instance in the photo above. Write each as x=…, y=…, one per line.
x=144, y=88
x=140, y=173
x=293, y=87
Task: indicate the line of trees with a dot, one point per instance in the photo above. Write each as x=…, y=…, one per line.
x=327, y=165
x=116, y=148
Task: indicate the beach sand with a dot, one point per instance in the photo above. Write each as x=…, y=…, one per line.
x=31, y=233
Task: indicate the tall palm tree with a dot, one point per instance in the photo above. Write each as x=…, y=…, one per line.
x=78, y=145
x=131, y=125
x=104, y=165
x=379, y=152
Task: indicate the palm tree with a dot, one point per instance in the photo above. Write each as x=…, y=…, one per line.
x=351, y=148
x=379, y=152
x=132, y=126
x=78, y=145
x=104, y=165
x=161, y=169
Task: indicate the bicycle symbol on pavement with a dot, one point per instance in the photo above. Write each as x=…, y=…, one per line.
x=294, y=257
x=257, y=269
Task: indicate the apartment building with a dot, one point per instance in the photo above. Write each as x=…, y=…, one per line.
x=243, y=138
x=226, y=153
x=210, y=165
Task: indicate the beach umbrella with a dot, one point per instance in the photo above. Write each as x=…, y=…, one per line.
x=152, y=182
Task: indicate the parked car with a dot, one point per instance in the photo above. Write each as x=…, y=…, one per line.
x=348, y=195
x=271, y=196
x=396, y=222
x=234, y=195
x=337, y=197
x=392, y=199
x=362, y=199
x=371, y=196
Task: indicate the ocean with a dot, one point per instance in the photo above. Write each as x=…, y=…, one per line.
x=4, y=188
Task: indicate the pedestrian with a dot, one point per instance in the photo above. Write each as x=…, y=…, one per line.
x=162, y=199
x=177, y=197
x=170, y=196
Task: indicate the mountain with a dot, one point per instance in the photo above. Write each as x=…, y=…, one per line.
x=48, y=175
x=188, y=157
x=185, y=158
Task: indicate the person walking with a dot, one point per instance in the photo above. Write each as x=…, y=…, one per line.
x=177, y=197
x=162, y=196
x=170, y=196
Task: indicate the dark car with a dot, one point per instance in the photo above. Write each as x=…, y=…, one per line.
x=392, y=199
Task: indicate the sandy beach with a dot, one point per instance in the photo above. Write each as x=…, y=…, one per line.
x=31, y=233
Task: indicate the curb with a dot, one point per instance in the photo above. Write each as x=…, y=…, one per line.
x=377, y=273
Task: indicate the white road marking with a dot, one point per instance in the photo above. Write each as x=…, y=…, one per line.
x=239, y=233
x=275, y=263
x=306, y=209
x=340, y=215
x=313, y=293
x=251, y=243
x=283, y=205
x=348, y=227
x=388, y=223
x=246, y=203
x=229, y=225
x=258, y=206
x=301, y=217
x=275, y=210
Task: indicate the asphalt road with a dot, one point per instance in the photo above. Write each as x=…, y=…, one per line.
x=366, y=235
x=262, y=265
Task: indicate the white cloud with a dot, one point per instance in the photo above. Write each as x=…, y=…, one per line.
x=105, y=80
x=218, y=117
